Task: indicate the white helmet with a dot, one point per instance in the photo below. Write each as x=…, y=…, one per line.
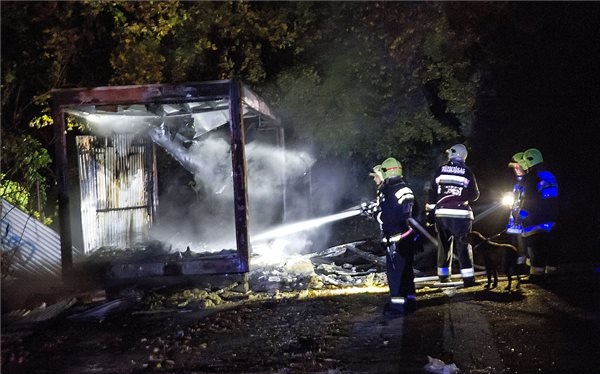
x=457, y=151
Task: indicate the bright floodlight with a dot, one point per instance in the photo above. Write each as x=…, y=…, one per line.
x=508, y=199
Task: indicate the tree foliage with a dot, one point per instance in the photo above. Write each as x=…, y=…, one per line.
x=23, y=183
x=385, y=78
x=45, y=45
x=356, y=79
x=191, y=41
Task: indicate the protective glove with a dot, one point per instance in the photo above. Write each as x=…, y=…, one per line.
x=429, y=215
x=369, y=209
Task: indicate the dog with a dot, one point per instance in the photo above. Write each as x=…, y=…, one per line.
x=495, y=255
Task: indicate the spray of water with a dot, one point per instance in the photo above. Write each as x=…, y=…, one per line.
x=195, y=208
x=303, y=225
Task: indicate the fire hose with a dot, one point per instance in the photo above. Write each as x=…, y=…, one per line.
x=366, y=207
x=416, y=225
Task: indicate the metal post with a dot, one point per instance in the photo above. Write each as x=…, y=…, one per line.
x=238, y=160
x=64, y=214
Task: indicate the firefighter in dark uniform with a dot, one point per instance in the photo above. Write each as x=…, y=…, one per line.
x=453, y=187
x=392, y=209
x=514, y=228
x=535, y=213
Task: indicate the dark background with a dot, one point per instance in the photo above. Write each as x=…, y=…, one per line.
x=546, y=96
x=542, y=92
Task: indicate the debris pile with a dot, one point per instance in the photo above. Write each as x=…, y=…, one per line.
x=338, y=267
x=348, y=266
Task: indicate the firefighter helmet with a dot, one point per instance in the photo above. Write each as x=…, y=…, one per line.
x=517, y=157
x=518, y=160
x=377, y=173
x=532, y=157
x=457, y=151
x=391, y=168
x=376, y=170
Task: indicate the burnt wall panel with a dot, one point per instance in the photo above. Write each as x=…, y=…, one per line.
x=116, y=190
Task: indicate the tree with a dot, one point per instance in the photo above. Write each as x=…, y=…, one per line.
x=45, y=45
x=193, y=41
x=384, y=78
x=358, y=79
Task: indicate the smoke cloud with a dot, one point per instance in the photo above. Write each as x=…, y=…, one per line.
x=195, y=207
x=205, y=222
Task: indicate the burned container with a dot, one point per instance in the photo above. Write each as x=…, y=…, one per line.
x=165, y=179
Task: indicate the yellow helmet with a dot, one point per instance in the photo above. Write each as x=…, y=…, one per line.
x=532, y=157
x=391, y=168
x=518, y=159
x=377, y=172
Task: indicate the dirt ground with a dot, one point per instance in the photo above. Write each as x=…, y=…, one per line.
x=473, y=330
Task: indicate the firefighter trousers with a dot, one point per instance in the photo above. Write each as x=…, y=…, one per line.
x=452, y=239
x=399, y=268
x=542, y=252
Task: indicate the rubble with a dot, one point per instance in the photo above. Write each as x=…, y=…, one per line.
x=437, y=366
x=41, y=313
x=300, y=331
x=331, y=271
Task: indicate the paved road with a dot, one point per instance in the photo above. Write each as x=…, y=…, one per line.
x=535, y=330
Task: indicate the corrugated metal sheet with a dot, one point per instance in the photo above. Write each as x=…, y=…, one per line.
x=34, y=248
x=115, y=179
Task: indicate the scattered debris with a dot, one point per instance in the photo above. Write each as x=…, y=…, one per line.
x=38, y=314
x=351, y=266
x=440, y=367
x=100, y=312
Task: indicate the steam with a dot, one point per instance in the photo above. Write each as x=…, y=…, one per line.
x=208, y=223
x=107, y=124
x=196, y=201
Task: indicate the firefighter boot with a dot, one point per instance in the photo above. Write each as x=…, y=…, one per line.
x=410, y=306
x=391, y=310
x=444, y=279
x=551, y=275
x=400, y=306
x=522, y=266
x=469, y=282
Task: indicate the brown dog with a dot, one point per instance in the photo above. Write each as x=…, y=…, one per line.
x=494, y=255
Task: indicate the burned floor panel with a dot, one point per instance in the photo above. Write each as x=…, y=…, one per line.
x=157, y=259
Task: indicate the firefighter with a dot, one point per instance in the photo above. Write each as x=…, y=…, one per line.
x=371, y=208
x=377, y=175
x=535, y=214
x=514, y=228
x=393, y=207
x=453, y=187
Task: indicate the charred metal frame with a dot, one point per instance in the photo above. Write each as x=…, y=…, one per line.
x=238, y=95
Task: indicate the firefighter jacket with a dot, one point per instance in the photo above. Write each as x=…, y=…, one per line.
x=453, y=187
x=515, y=226
x=536, y=210
x=396, y=202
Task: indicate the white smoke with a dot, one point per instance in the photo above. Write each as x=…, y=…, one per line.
x=196, y=208
x=209, y=220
